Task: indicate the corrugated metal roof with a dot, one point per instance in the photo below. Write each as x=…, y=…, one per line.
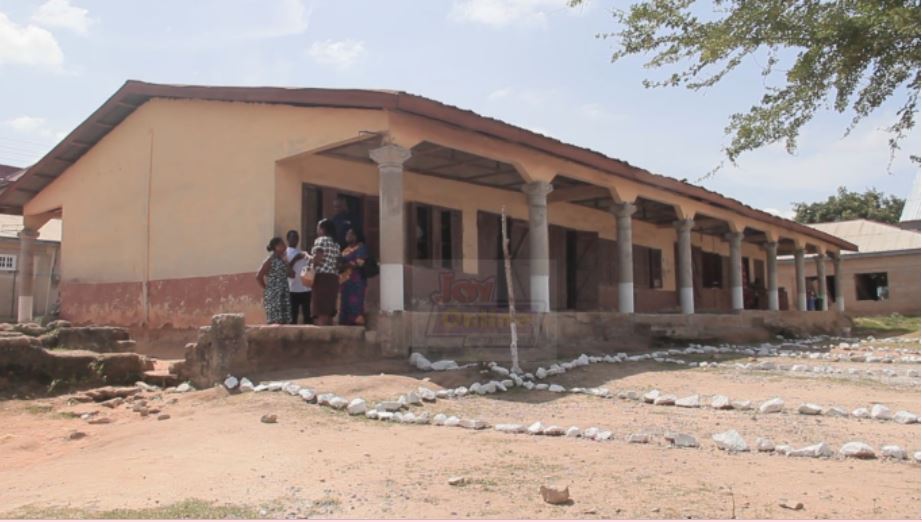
x=871, y=236
x=133, y=94
x=912, y=210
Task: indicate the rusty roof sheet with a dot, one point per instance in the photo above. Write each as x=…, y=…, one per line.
x=134, y=93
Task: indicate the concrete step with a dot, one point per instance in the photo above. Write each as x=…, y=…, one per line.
x=160, y=378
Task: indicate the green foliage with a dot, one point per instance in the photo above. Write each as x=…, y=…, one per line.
x=849, y=53
x=845, y=205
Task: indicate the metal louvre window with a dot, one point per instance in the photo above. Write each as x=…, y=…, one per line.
x=7, y=263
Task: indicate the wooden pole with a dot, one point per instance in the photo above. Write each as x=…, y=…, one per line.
x=510, y=293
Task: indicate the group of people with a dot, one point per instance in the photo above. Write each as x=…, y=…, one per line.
x=339, y=274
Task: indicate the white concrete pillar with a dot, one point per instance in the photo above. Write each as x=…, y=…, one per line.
x=736, y=270
x=684, y=268
x=390, y=159
x=25, y=267
x=771, y=266
x=538, y=248
x=800, y=281
x=839, y=282
x=821, y=292
x=623, y=213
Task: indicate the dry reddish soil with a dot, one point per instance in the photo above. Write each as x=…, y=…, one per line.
x=320, y=463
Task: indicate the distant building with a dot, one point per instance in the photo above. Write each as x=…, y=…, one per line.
x=909, y=219
x=46, y=260
x=881, y=278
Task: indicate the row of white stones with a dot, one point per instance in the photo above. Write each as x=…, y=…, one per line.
x=392, y=411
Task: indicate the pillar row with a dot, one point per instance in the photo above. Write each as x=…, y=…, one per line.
x=821, y=290
x=736, y=270
x=771, y=265
x=26, y=264
x=686, y=285
x=538, y=247
x=839, y=282
x=390, y=159
x=800, y=281
x=623, y=213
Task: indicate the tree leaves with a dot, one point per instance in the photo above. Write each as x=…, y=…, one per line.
x=852, y=55
x=845, y=205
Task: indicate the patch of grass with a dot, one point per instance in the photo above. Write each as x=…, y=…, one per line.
x=185, y=509
x=886, y=325
x=38, y=409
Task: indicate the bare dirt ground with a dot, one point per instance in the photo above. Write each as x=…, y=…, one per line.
x=214, y=458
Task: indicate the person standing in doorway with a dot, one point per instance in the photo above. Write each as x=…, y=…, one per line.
x=353, y=280
x=300, y=294
x=325, y=256
x=272, y=277
x=342, y=220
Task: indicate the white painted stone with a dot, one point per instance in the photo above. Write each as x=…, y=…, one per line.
x=413, y=398
x=542, y=386
x=553, y=431
x=536, y=429
x=452, y=422
x=356, y=407
x=556, y=388
x=276, y=386
x=510, y=428
x=261, y=388
x=857, y=450
x=692, y=401
x=814, y=451
x=861, y=413
x=499, y=370
x=426, y=394
x=473, y=424
x=721, y=402
x=541, y=373
x=590, y=433
x=772, y=406
x=292, y=388
x=508, y=383
x=664, y=400
x=478, y=389
x=439, y=419
x=880, y=412
x=444, y=365
x=905, y=417
x=809, y=409
x=385, y=415
x=372, y=414
x=835, y=411
x=461, y=391
x=638, y=438
x=390, y=406
x=603, y=435
x=681, y=440
x=338, y=403
x=423, y=418
x=246, y=385
x=730, y=441
x=323, y=399
x=651, y=396
x=764, y=445
x=891, y=451
x=231, y=382
x=573, y=431
x=917, y=456
x=742, y=405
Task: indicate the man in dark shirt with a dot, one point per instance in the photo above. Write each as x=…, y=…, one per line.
x=341, y=219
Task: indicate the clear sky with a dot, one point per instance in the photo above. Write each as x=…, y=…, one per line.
x=533, y=63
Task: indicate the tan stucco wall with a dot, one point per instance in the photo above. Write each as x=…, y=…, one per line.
x=210, y=168
x=218, y=179
x=903, y=274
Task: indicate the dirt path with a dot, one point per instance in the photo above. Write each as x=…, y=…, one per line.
x=320, y=463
